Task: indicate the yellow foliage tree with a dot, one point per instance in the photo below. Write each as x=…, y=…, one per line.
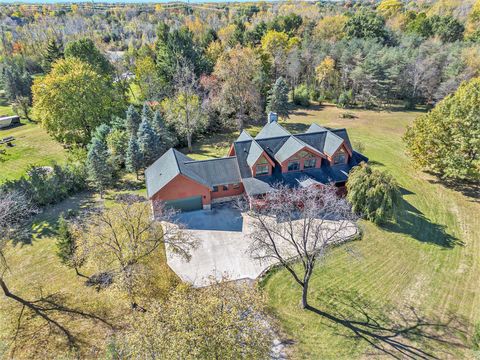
x=330, y=28
x=389, y=8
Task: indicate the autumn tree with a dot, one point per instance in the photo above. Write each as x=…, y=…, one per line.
x=299, y=224
x=123, y=240
x=73, y=99
x=86, y=51
x=389, y=8
x=331, y=28
x=222, y=321
x=373, y=194
x=328, y=77
x=366, y=24
x=238, y=71
x=447, y=139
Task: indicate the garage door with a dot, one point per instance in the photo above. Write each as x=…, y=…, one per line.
x=187, y=204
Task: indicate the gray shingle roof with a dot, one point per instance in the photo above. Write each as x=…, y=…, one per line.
x=254, y=153
x=315, y=128
x=291, y=147
x=212, y=172
x=270, y=130
x=244, y=136
x=332, y=143
x=255, y=186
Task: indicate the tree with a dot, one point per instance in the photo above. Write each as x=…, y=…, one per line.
x=147, y=113
x=72, y=100
x=99, y=167
x=133, y=120
x=184, y=114
x=331, y=28
x=150, y=84
x=149, y=143
x=278, y=99
x=447, y=28
x=366, y=24
x=277, y=44
x=446, y=140
x=237, y=71
x=134, y=159
x=86, y=51
x=53, y=53
x=17, y=83
x=299, y=224
x=67, y=246
x=222, y=321
x=390, y=8
x=328, y=77
x=372, y=193
x=121, y=240
x=166, y=137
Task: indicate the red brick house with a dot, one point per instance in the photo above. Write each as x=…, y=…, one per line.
x=253, y=165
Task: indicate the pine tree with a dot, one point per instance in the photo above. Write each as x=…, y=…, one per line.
x=134, y=159
x=65, y=241
x=53, y=53
x=149, y=143
x=99, y=167
x=278, y=98
x=101, y=132
x=166, y=137
x=147, y=112
x=132, y=120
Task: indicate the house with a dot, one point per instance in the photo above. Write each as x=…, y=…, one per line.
x=7, y=121
x=253, y=165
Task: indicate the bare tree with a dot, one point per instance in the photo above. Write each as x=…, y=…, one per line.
x=119, y=241
x=291, y=226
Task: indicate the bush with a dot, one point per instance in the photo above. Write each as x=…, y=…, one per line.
x=372, y=193
x=302, y=96
x=49, y=185
x=345, y=100
x=348, y=115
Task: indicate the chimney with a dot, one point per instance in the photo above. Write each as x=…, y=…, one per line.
x=272, y=117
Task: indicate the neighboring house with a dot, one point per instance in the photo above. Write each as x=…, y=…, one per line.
x=253, y=165
x=7, y=121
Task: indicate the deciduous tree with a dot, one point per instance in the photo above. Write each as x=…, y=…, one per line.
x=372, y=193
x=73, y=99
x=86, y=51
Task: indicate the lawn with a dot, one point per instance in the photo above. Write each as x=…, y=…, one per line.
x=409, y=289
x=412, y=286
x=33, y=146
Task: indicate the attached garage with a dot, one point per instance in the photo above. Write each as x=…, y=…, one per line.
x=186, y=204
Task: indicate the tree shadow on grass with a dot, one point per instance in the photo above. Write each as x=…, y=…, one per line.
x=397, y=332
x=469, y=189
x=411, y=221
x=45, y=223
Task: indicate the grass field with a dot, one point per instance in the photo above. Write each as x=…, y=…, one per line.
x=33, y=146
x=408, y=288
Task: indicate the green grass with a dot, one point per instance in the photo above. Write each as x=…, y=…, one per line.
x=33, y=146
x=413, y=267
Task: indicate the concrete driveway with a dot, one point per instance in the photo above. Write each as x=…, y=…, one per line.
x=221, y=254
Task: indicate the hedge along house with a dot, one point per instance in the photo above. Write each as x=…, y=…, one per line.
x=252, y=167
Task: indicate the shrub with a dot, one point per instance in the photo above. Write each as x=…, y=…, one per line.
x=348, y=115
x=372, y=193
x=302, y=96
x=49, y=185
x=345, y=100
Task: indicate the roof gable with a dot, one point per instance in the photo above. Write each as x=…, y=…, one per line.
x=292, y=146
x=270, y=130
x=315, y=128
x=161, y=172
x=244, y=136
x=332, y=143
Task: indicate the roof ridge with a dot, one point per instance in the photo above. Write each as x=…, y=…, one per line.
x=212, y=159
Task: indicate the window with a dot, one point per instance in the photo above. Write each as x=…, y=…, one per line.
x=339, y=158
x=225, y=187
x=261, y=170
x=293, y=165
x=309, y=163
x=215, y=189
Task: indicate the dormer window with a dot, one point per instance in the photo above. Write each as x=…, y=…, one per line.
x=309, y=163
x=294, y=165
x=339, y=157
x=261, y=169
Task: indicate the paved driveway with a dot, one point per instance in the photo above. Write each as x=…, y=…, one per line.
x=220, y=254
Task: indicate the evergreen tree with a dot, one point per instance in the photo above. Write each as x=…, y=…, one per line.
x=149, y=143
x=101, y=132
x=134, y=159
x=65, y=242
x=53, y=53
x=147, y=112
x=133, y=120
x=278, y=98
x=166, y=137
x=99, y=168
